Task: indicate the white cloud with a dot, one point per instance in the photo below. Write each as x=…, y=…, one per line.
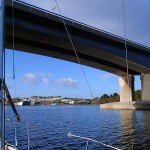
x=107, y=76
x=66, y=82
x=30, y=78
x=40, y=77
x=34, y=78
x=44, y=77
x=45, y=80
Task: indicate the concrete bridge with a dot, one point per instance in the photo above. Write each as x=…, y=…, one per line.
x=42, y=32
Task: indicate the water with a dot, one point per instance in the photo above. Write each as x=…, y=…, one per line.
x=49, y=127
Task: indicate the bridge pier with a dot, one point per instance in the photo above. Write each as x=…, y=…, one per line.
x=145, y=87
x=126, y=88
x=127, y=94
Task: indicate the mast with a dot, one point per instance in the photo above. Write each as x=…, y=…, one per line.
x=1, y=74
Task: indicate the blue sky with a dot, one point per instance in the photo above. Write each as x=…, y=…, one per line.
x=46, y=76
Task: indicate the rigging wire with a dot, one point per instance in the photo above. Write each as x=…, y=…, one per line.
x=13, y=48
x=126, y=48
x=77, y=58
x=4, y=74
x=127, y=65
x=76, y=54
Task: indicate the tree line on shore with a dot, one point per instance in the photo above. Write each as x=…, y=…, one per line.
x=115, y=97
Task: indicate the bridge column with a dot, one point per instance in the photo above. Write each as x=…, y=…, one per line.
x=145, y=86
x=126, y=89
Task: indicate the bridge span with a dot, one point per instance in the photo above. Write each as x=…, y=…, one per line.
x=42, y=32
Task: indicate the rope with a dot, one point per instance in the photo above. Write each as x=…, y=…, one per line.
x=89, y=139
x=72, y=44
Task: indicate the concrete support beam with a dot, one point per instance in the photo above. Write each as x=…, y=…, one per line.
x=145, y=85
x=126, y=88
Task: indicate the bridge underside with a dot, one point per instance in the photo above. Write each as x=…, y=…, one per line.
x=41, y=33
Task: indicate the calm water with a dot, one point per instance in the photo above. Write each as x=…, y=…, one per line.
x=49, y=127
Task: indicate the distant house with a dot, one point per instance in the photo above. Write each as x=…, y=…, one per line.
x=65, y=100
x=71, y=102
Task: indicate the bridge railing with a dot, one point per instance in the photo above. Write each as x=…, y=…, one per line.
x=104, y=33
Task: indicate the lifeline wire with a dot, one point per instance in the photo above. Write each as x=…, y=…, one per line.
x=89, y=139
x=33, y=126
x=72, y=44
